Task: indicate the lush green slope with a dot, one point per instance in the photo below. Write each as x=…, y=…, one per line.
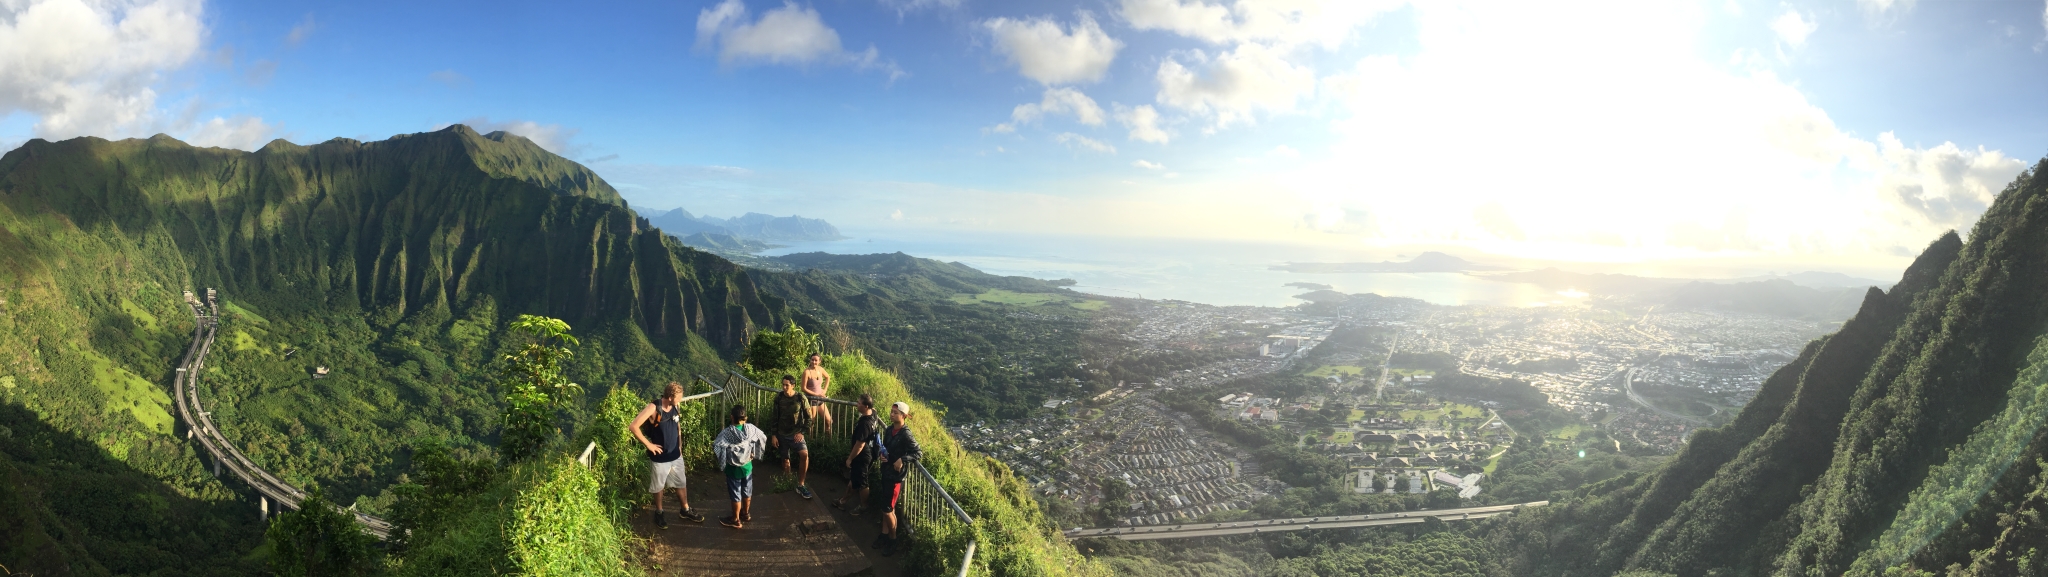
x=393, y=262
x=1910, y=441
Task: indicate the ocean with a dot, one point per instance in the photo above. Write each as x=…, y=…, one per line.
x=1202, y=271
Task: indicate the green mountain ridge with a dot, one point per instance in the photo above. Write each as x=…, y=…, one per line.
x=393, y=263
x=1911, y=442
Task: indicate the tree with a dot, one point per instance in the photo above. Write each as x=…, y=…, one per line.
x=772, y=353
x=534, y=386
x=319, y=539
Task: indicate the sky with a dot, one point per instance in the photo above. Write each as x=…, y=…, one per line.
x=1839, y=135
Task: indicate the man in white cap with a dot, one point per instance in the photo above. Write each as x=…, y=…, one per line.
x=899, y=450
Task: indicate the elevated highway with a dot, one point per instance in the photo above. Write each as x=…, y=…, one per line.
x=199, y=422
x=1192, y=530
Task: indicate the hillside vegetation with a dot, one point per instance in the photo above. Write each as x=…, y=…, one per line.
x=396, y=265
x=1910, y=442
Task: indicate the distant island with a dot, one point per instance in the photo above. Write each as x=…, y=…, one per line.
x=750, y=229
x=1425, y=262
x=1309, y=286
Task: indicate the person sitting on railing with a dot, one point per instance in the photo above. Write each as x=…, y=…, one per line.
x=816, y=381
x=658, y=419
x=790, y=417
x=899, y=450
x=735, y=449
x=867, y=433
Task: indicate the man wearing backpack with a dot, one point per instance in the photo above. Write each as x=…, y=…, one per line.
x=790, y=416
x=665, y=451
x=899, y=450
x=735, y=449
x=867, y=436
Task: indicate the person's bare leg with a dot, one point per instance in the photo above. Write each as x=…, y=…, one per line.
x=746, y=507
x=803, y=467
x=737, y=506
x=658, y=505
x=889, y=524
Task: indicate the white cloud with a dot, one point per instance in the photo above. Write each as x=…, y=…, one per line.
x=1045, y=52
x=1148, y=165
x=1324, y=22
x=241, y=132
x=1056, y=101
x=91, y=67
x=1793, y=28
x=896, y=215
x=790, y=35
x=300, y=32
x=1885, y=9
x=1635, y=154
x=1231, y=86
x=1078, y=142
x=1284, y=150
x=1143, y=120
x=553, y=137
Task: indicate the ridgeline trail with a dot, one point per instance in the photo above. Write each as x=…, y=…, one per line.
x=199, y=423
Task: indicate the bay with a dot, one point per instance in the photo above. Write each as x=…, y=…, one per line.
x=1203, y=271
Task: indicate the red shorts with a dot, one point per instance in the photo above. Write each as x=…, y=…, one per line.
x=895, y=496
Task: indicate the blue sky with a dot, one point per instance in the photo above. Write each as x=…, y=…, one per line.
x=1823, y=132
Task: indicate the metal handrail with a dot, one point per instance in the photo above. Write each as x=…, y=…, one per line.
x=915, y=509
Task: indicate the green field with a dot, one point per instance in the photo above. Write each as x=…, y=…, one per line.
x=1340, y=437
x=1465, y=412
x=127, y=391
x=1008, y=297
x=1346, y=370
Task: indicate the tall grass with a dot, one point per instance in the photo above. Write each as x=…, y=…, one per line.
x=1014, y=535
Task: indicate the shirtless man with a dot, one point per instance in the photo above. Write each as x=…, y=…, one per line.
x=815, y=382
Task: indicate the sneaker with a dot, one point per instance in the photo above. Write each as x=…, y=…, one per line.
x=660, y=521
x=880, y=540
x=691, y=516
x=729, y=522
x=803, y=491
x=889, y=549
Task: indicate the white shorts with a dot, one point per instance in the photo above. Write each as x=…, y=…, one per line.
x=666, y=476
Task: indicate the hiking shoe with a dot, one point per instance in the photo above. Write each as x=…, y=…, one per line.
x=660, y=521
x=691, y=516
x=729, y=522
x=889, y=548
x=803, y=491
x=880, y=540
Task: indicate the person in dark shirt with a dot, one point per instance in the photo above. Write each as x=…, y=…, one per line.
x=791, y=416
x=862, y=456
x=665, y=451
x=899, y=450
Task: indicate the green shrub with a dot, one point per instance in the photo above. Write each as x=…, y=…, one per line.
x=319, y=539
x=560, y=527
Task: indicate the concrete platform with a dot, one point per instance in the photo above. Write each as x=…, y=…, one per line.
x=789, y=535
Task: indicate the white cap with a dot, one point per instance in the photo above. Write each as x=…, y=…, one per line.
x=901, y=407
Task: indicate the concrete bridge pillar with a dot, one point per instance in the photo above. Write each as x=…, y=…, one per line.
x=264, y=504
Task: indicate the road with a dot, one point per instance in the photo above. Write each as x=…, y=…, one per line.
x=1628, y=385
x=199, y=424
x=1192, y=530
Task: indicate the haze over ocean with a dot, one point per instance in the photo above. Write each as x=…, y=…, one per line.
x=1203, y=271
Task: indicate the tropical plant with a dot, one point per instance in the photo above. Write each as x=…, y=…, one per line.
x=319, y=539
x=534, y=386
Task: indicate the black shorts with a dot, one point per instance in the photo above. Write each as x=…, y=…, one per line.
x=858, y=475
